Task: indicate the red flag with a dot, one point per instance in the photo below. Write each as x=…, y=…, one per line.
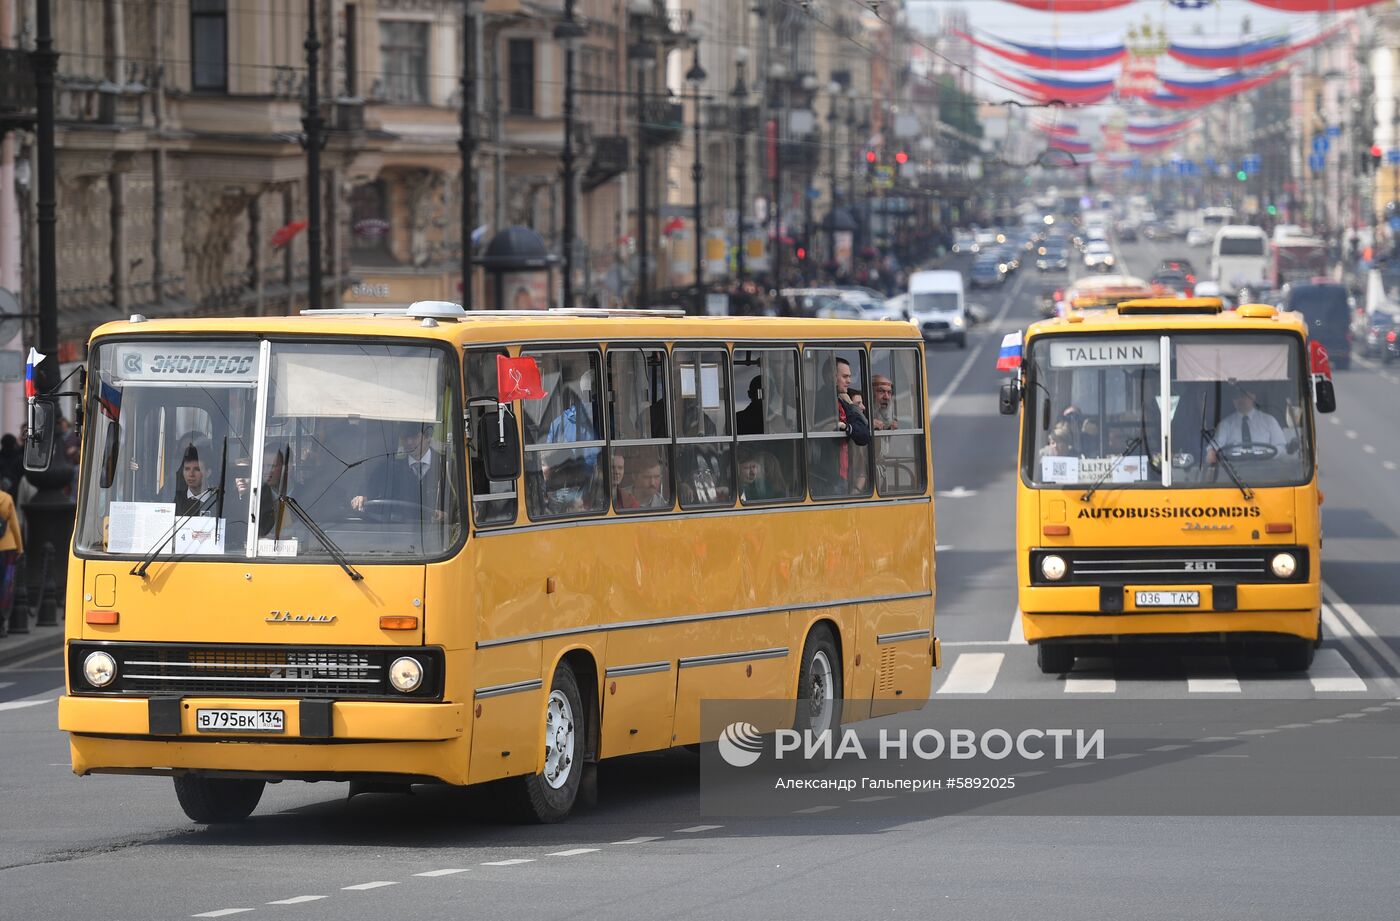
x=518, y=379
x=1317, y=357
x=286, y=232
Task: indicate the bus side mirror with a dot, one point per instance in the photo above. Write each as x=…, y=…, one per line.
x=500, y=443
x=43, y=433
x=1010, y=398
x=111, y=441
x=1324, y=396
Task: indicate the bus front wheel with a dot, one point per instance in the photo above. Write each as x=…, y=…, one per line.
x=1295, y=656
x=209, y=800
x=1053, y=659
x=550, y=794
x=819, y=683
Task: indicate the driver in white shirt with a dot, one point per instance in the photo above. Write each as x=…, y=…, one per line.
x=1247, y=426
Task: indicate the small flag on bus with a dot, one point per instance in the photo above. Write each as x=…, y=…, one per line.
x=518, y=379
x=31, y=389
x=1010, y=357
x=1319, y=360
x=110, y=399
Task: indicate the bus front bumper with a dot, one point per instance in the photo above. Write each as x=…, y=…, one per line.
x=1077, y=612
x=329, y=740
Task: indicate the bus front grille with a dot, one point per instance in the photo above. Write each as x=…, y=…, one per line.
x=1168, y=565
x=189, y=670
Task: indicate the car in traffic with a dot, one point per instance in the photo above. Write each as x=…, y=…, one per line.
x=1178, y=264
x=1010, y=255
x=1157, y=230
x=1098, y=255
x=1326, y=307
x=1127, y=233
x=1053, y=259
x=1173, y=283
x=937, y=306
x=987, y=272
x=984, y=240
x=1212, y=289
x=810, y=302
x=1199, y=236
x=1378, y=336
x=964, y=242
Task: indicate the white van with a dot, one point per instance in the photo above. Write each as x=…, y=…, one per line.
x=1239, y=258
x=936, y=305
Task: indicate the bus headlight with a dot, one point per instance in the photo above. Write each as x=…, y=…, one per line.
x=99, y=669
x=1053, y=567
x=406, y=674
x=1284, y=565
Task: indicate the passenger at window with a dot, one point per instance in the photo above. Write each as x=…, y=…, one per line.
x=850, y=420
x=759, y=478
x=750, y=418
x=882, y=413
x=646, y=490
x=193, y=496
x=619, y=476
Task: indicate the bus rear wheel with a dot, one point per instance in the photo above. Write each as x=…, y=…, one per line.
x=1054, y=659
x=210, y=800
x=549, y=795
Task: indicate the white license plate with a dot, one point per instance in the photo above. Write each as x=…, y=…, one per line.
x=239, y=720
x=1168, y=599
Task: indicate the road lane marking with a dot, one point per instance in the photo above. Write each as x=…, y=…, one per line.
x=444, y=872
x=221, y=913
x=645, y=839
x=1363, y=630
x=1017, y=636
x=1389, y=465
x=1351, y=433
x=364, y=887
x=870, y=799
x=297, y=900
x=1090, y=685
x=1369, y=449
x=1168, y=748
x=573, y=852
x=813, y=810
x=508, y=863
x=973, y=673
x=1331, y=673
x=976, y=352
x=1336, y=420
x=696, y=829
x=6, y=684
x=1216, y=684
x=47, y=697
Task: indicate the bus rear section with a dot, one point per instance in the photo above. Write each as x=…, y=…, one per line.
x=1168, y=485
x=1240, y=258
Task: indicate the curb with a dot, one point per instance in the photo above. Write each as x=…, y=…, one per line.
x=16, y=648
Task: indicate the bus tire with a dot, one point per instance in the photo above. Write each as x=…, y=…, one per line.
x=1295, y=656
x=819, y=683
x=549, y=796
x=1053, y=658
x=210, y=800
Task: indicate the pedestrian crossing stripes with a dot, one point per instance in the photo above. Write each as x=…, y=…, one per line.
x=1015, y=674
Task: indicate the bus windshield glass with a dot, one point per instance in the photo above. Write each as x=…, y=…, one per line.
x=295, y=451
x=1230, y=401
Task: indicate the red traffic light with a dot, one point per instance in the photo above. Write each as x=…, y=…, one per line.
x=901, y=158
x=1376, y=151
x=802, y=252
x=871, y=156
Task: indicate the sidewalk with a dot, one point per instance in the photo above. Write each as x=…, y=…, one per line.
x=18, y=647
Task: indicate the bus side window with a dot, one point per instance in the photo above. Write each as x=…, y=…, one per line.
x=565, y=473
x=493, y=502
x=896, y=407
x=639, y=461
x=836, y=465
x=769, y=427
x=704, y=435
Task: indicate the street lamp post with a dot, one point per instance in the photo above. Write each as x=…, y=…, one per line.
x=696, y=77
x=466, y=145
x=643, y=53
x=776, y=73
x=569, y=34
x=45, y=62
x=740, y=95
x=313, y=141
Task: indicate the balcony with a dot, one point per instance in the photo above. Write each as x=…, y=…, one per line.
x=16, y=81
x=663, y=122
x=611, y=158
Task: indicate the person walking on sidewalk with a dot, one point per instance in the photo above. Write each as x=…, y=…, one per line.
x=11, y=547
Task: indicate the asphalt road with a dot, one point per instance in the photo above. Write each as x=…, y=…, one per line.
x=119, y=847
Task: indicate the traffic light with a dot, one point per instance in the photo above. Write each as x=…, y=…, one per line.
x=871, y=156
x=901, y=158
x=1242, y=175
x=1273, y=210
x=801, y=254
x=1375, y=157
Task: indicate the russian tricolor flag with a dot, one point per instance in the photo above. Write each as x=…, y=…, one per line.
x=1010, y=357
x=35, y=358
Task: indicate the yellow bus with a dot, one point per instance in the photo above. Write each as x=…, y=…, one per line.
x=323, y=548
x=1168, y=480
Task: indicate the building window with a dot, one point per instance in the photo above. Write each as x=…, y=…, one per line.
x=521, y=56
x=369, y=219
x=209, y=45
x=403, y=57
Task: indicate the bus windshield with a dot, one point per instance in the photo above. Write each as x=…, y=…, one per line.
x=1231, y=401
x=298, y=451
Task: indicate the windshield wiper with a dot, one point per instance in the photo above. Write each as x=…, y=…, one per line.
x=150, y=555
x=1225, y=462
x=1127, y=449
x=332, y=548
